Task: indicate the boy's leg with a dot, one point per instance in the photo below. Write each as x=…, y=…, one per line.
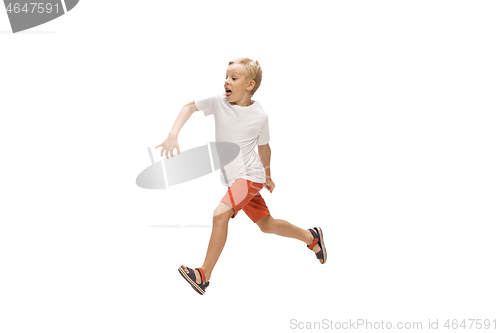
x=284, y=228
x=222, y=214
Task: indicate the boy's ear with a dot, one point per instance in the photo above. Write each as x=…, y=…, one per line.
x=250, y=85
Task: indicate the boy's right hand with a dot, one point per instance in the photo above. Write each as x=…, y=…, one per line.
x=168, y=145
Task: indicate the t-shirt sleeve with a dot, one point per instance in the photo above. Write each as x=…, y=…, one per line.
x=207, y=105
x=263, y=138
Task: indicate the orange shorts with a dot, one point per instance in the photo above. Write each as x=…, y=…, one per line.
x=244, y=194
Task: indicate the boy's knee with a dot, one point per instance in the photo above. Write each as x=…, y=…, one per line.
x=223, y=211
x=267, y=224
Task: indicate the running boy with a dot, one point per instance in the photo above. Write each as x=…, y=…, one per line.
x=240, y=120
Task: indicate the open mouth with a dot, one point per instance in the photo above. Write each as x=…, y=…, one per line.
x=228, y=92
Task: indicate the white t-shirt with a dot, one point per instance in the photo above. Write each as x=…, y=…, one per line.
x=246, y=126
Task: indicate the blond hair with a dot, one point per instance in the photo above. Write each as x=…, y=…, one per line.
x=253, y=71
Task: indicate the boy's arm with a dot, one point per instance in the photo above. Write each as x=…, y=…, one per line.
x=171, y=141
x=265, y=158
x=186, y=112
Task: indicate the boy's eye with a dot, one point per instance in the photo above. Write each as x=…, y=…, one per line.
x=234, y=78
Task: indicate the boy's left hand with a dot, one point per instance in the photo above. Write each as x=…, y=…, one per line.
x=269, y=185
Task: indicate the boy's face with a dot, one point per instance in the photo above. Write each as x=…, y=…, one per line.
x=236, y=85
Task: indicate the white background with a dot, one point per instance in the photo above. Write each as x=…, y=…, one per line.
x=384, y=122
